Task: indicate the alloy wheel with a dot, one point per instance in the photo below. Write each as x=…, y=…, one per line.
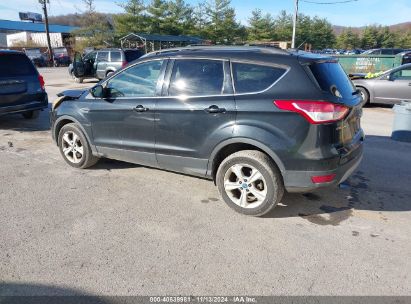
x=72, y=146
x=245, y=186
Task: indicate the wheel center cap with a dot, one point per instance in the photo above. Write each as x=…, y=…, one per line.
x=244, y=185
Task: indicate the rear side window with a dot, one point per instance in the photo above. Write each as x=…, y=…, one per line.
x=132, y=55
x=16, y=65
x=197, y=77
x=332, y=78
x=250, y=78
x=115, y=56
x=102, y=56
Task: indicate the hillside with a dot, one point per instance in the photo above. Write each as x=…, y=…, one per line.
x=406, y=26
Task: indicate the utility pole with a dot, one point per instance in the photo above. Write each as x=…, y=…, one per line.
x=294, y=24
x=46, y=22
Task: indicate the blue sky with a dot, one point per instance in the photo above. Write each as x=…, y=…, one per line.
x=358, y=13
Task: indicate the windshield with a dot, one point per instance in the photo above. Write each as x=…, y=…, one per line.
x=332, y=78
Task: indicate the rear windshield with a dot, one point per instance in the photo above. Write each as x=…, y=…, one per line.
x=15, y=65
x=132, y=55
x=332, y=78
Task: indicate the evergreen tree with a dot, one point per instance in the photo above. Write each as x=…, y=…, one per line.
x=261, y=27
x=158, y=11
x=134, y=20
x=222, y=27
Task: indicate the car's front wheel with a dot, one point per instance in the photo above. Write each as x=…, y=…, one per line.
x=364, y=95
x=250, y=183
x=75, y=148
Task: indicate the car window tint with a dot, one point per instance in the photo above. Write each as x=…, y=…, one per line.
x=115, y=56
x=197, y=77
x=137, y=81
x=102, y=56
x=332, y=78
x=250, y=78
x=15, y=65
x=132, y=55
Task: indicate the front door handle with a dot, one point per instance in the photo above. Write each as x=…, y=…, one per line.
x=214, y=109
x=141, y=108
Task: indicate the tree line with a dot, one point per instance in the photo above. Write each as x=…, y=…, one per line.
x=216, y=21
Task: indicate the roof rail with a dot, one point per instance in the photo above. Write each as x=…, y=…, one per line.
x=221, y=48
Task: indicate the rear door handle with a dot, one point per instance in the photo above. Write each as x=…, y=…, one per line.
x=141, y=108
x=214, y=109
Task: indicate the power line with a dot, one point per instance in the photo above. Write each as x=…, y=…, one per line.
x=335, y=2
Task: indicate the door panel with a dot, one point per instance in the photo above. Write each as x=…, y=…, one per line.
x=123, y=123
x=397, y=88
x=188, y=127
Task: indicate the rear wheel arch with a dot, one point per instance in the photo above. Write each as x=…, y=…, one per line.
x=223, y=150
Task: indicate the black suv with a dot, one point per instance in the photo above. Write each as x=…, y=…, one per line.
x=21, y=86
x=257, y=121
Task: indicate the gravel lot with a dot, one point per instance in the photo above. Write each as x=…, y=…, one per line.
x=122, y=229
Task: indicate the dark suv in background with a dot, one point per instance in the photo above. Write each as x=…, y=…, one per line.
x=21, y=86
x=257, y=121
x=102, y=63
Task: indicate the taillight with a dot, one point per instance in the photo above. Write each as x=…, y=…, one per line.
x=316, y=112
x=123, y=65
x=42, y=83
x=321, y=179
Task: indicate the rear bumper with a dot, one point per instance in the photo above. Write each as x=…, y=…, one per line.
x=31, y=106
x=300, y=181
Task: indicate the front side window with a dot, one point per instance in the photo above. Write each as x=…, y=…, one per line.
x=250, y=78
x=137, y=81
x=102, y=56
x=196, y=77
x=404, y=74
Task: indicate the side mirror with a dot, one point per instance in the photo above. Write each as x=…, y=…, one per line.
x=389, y=77
x=98, y=91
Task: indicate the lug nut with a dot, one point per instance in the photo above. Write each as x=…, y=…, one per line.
x=241, y=182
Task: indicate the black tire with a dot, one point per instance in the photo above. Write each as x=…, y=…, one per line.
x=78, y=80
x=87, y=159
x=269, y=171
x=31, y=114
x=365, y=95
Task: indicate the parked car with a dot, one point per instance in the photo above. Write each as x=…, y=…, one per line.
x=61, y=57
x=386, y=51
x=258, y=121
x=390, y=87
x=21, y=86
x=36, y=57
x=102, y=63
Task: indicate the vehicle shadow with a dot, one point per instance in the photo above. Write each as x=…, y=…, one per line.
x=16, y=122
x=381, y=184
x=22, y=293
x=111, y=164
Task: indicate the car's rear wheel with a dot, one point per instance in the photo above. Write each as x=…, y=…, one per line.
x=75, y=148
x=109, y=74
x=250, y=183
x=31, y=114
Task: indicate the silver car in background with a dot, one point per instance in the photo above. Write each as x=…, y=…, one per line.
x=392, y=87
